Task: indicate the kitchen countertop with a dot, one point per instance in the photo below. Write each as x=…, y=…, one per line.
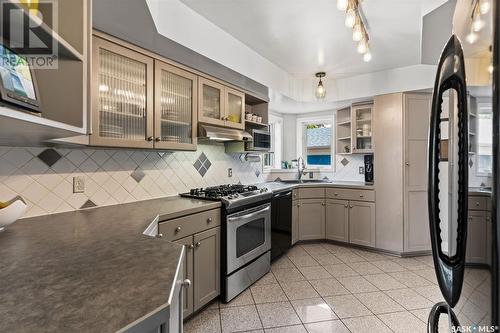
x=277, y=187
x=478, y=191
x=90, y=270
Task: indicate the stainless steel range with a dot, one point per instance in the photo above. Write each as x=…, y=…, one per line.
x=246, y=230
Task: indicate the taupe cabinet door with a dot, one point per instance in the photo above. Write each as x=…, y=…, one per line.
x=362, y=223
x=337, y=220
x=206, y=265
x=478, y=238
x=311, y=219
x=187, y=298
x=416, y=222
x=295, y=222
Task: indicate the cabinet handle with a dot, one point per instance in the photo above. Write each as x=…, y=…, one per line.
x=209, y=220
x=159, y=235
x=361, y=196
x=190, y=246
x=150, y=138
x=198, y=244
x=178, y=229
x=186, y=283
x=158, y=139
x=335, y=194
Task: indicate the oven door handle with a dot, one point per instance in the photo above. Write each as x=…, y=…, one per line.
x=246, y=215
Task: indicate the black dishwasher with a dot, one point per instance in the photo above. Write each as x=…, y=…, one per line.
x=281, y=224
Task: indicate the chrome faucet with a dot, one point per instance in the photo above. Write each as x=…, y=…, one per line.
x=301, y=166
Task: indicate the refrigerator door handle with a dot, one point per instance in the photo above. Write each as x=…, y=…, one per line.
x=436, y=311
x=450, y=75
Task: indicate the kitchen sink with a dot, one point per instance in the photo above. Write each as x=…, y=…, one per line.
x=304, y=181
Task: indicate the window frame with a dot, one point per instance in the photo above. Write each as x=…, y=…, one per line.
x=276, y=148
x=480, y=106
x=301, y=122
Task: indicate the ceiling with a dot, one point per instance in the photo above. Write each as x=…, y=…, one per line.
x=304, y=36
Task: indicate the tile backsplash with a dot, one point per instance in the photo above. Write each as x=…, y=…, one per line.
x=44, y=176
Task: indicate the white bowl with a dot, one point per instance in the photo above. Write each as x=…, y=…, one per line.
x=15, y=209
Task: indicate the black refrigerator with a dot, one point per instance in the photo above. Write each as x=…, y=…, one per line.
x=463, y=164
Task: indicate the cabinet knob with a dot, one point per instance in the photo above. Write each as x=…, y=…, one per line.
x=190, y=246
x=323, y=204
x=158, y=139
x=477, y=203
x=198, y=244
x=361, y=196
x=177, y=229
x=159, y=235
x=150, y=138
x=186, y=283
x=209, y=220
x=350, y=206
x=335, y=194
x=346, y=206
x=407, y=163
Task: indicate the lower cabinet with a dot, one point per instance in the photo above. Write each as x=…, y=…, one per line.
x=362, y=223
x=187, y=297
x=206, y=267
x=295, y=221
x=337, y=220
x=478, y=238
x=311, y=214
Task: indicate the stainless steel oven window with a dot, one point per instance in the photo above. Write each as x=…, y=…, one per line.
x=244, y=236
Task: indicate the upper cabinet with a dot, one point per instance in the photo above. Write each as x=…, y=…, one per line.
x=122, y=96
x=220, y=105
x=354, y=129
x=176, y=93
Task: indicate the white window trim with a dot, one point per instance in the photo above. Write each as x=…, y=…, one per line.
x=277, y=161
x=300, y=142
x=488, y=106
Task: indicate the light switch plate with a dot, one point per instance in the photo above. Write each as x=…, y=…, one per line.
x=361, y=170
x=78, y=184
x=229, y=172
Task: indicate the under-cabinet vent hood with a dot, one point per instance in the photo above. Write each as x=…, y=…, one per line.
x=223, y=134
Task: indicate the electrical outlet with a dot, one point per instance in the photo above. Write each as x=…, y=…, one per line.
x=311, y=175
x=78, y=184
x=361, y=170
x=230, y=172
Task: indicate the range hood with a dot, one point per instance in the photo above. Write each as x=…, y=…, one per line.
x=222, y=134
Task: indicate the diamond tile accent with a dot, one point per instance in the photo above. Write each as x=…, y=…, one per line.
x=257, y=173
x=138, y=175
x=202, y=171
x=49, y=157
x=88, y=204
x=344, y=161
x=278, y=179
x=471, y=163
x=202, y=164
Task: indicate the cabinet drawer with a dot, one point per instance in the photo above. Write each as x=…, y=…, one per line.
x=350, y=194
x=478, y=203
x=311, y=193
x=188, y=225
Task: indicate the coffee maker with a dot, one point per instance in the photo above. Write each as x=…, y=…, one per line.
x=369, y=169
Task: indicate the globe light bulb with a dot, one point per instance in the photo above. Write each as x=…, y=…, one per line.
x=320, y=91
x=357, y=33
x=367, y=57
x=484, y=6
x=477, y=23
x=362, y=46
x=350, y=18
x=342, y=4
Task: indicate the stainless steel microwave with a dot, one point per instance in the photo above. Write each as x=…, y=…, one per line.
x=261, y=141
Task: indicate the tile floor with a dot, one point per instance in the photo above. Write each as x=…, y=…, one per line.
x=325, y=288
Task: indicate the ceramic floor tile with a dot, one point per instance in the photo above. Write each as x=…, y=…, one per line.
x=287, y=329
x=403, y=322
x=295, y=251
x=241, y=318
x=245, y=298
x=426, y=260
x=315, y=248
x=334, y=248
x=410, y=279
x=313, y=310
x=303, y=261
x=422, y=314
x=314, y=272
x=428, y=274
x=384, y=281
x=299, y=290
x=357, y=284
x=326, y=259
x=366, y=324
x=335, y=326
x=205, y=321
x=364, y=268
x=277, y=314
x=283, y=262
x=215, y=305
x=378, y=302
x=346, y=306
x=372, y=256
x=411, y=264
x=340, y=270
x=268, y=293
x=266, y=279
x=329, y=287
x=349, y=257
x=288, y=274
x=432, y=293
x=388, y=266
x=409, y=299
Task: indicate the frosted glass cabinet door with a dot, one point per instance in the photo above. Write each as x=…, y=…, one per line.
x=362, y=129
x=235, y=109
x=211, y=102
x=122, y=96
x=175, y=107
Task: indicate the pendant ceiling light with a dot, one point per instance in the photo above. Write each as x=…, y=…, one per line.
x=354, y=20
x=320, y=89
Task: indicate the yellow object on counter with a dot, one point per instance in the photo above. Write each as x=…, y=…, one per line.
x=3, y=204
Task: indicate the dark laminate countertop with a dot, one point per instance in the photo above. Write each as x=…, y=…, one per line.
x=89, y=270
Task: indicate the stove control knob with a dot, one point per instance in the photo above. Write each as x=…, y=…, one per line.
x=236, y=195
x=230, y=197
